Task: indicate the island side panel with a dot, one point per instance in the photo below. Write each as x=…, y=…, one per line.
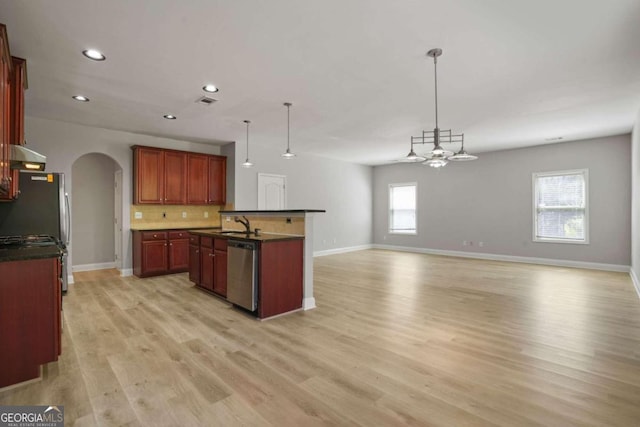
x=281, y=276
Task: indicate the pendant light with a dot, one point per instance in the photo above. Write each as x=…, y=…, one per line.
x=438, y=157
x=412, y=157
x=462, y=155
x=247, y=163
x=288, y=154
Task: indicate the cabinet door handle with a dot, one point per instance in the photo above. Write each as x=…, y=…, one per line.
x=155, y=235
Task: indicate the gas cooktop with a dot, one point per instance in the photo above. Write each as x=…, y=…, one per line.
x=28, y=241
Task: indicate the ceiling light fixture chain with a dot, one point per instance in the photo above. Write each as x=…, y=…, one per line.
x=288, y=154
x=438, y=156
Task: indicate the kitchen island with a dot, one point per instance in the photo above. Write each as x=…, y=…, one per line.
x=296, y=222
x=273, y=283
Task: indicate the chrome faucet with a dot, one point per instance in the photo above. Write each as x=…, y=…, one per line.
x=245, y=223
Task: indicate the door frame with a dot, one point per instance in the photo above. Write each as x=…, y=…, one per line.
x=117, y=219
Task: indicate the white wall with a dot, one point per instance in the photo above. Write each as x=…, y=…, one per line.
x=343, y=189
x=63, y=143
x=490, y=200
x=92, y=227
x=635, y=210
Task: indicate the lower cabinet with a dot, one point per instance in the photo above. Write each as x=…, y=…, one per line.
x=280, y=271
x=280, y=277
x=160, y=252
x=30, y=318
x=194, y=258
x=208, y=263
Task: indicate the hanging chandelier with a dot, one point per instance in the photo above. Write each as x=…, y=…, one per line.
x=438, y=157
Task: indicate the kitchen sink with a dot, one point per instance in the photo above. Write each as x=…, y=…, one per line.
x=234, y=232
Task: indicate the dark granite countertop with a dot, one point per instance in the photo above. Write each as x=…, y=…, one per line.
x=283, y=212
x=176, y=229
x=35, y=252
x=262, y=237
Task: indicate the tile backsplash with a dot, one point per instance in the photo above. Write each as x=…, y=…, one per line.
x=174, y=216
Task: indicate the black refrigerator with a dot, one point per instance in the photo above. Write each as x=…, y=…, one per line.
x=42, y=208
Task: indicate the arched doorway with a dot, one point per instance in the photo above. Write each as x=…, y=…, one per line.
x=93, y=193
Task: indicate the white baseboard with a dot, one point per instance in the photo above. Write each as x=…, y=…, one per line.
x=126, y=272
x=342, y=250
x=510, y=258
x=91, y=267
x=634, y=279
x=308, y=303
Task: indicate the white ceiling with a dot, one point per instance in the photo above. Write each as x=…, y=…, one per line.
x=513, y=73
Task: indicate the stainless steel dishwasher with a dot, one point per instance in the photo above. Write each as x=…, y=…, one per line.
x=242, y=274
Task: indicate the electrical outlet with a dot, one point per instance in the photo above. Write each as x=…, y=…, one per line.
x=465, y=243
x=481, y=244
x=288, y=220
x=184, y=214
x=206, y=214
x=137, y=215
x=228, y=219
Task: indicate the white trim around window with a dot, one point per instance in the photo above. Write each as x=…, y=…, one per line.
x=570, y=212
x=406, y=222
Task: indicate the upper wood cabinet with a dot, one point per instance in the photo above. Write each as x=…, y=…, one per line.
x=148, y=172
x=18, y=86
x=175, y=177
x=197, y=182
x=5, y=107
x=217, y=180
x=178, y=177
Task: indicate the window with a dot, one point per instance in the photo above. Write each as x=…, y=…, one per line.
x=402, y=208
x=561, y=206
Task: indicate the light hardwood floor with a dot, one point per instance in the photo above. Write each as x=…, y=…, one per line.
x=397, y=339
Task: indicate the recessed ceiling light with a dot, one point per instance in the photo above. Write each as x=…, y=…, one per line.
x=81, y=98
x=96, y=55
x=210, y=88
x=169, y=117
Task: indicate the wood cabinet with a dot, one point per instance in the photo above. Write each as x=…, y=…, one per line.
x=208, y=263
x=198, y=179
x=178, y=177
x=160, y=252
x=178, y=251
x=18, y=86
x=217, y=185
x=148, y=171
x=220, y=267
x=280, y=267
x=30, y=318
x=194, y=258
x=280, y=277
x=5, y=113
x=175, y=177
x=160, y=176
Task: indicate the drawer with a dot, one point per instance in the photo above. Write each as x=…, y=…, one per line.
x=154, y=235
x=194, y=239
x=178, y=235
x=220, y=244
x=206, y=242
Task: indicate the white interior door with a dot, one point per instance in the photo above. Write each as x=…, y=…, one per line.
x=272, y=192
x=117, y=218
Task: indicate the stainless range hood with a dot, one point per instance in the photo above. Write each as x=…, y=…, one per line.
x=25, y=159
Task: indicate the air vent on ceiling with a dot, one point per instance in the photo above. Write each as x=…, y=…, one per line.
x=205, y=100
